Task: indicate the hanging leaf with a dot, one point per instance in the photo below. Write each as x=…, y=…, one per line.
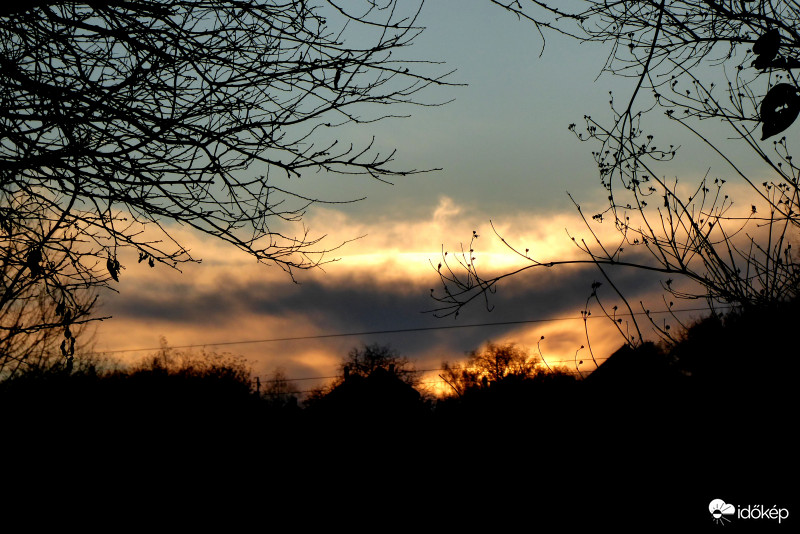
x=763, y=63
x=33, y=261
x=766, y=49
x=336, y=78
x=766, y=46
x=779, y=109
x=5, y=223
x=784, y=63
x=113, y=269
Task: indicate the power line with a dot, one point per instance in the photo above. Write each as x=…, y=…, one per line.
x=403, y=371
x=397, y=331
x=434, y=381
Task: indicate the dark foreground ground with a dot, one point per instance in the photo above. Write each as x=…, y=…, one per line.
x=643, y=446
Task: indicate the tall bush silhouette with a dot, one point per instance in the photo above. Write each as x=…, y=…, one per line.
x=506, y=383
x=375, y=386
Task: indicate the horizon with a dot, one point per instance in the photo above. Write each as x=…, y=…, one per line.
x=493, y=134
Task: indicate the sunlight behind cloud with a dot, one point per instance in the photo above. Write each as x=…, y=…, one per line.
x=378, y=282
x=412, y=248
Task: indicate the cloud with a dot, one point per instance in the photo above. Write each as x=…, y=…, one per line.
x=381, y=282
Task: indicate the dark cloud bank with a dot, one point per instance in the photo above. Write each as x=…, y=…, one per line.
x=365, y=304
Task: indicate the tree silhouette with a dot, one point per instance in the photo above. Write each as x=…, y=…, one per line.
x=186, y=402
x=35, y=334
x=730, y=63
x=375, y=386
x=367, y=359
x=507, y=385
x=172, y=384
x=490, y=365
x=278, y=391
x=120, y=120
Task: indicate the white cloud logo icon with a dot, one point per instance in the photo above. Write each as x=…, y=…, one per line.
x=719, y=509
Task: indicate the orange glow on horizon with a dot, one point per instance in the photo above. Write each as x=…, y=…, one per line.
x=396, y=257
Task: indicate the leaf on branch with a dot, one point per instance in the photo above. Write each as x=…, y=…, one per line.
x=766, y=48
x=785, y=63
x=336, y=78
x=113, y=269
x=33, y=261
x=779, y=109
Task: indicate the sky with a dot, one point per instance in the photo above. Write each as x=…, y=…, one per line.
x=506, y=156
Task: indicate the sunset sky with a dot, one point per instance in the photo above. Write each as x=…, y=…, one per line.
x=506, y=155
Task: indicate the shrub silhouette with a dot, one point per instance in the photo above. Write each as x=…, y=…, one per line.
x=650, y=398
x=723, y=393
x=747, y=358
x=504, y=383
x=169, y=395
x=369, y=358
x=381, y=394
x=374, y=392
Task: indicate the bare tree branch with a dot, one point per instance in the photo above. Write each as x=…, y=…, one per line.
x=120, y=119
x=677, y=52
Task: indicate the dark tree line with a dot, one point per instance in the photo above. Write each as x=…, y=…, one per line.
x=717, y=360
x=714, y=408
